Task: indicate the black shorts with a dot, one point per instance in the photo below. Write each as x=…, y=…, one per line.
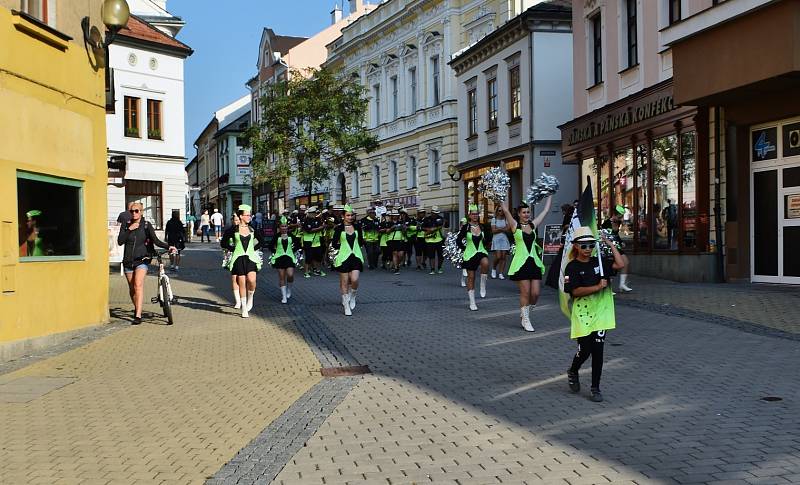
x=352, y=263
x=419, y=246
x=313, y=253
x=397, y=245
x=432, y=249
x=283, y=262
x=473, y=263
x=528, y=271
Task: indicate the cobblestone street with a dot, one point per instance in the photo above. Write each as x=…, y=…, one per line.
x=453, y=396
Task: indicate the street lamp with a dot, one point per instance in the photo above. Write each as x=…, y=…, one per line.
x=115, y=16
x=453, y=172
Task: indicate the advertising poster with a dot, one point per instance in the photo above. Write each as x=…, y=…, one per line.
x=552, y=238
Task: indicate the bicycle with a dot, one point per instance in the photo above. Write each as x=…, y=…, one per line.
x=165, y=297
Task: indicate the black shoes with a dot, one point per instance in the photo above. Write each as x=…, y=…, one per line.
x=136, y=321
x=574, y=383
x=596, y=396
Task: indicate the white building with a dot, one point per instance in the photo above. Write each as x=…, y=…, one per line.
x=514, y=90
x=145, y=131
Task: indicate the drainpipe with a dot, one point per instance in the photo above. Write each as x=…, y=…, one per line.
x=717, y=197
x=531, y=117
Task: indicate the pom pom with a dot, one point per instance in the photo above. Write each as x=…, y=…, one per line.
x=542, y=188
x=452, y=252
x=605, y=250
x=226, y=258
x=299, y=257
x=332, y=254
x=494, y=184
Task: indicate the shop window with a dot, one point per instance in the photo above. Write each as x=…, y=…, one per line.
x=665, y=192
x=606, y=207
x=154, y=119
x=491, y=90
x=131, y=117
x=515, y=93
x=147, y=193
x=49, y=211
x=624, y=194
x=688, y=191
x=641, y=219
x=588, y=172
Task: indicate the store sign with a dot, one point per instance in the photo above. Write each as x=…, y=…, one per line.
x=552, y=238
x=407, y=201
x=791, y=140
x=793, y=206
x=765, y=144
x=243, y=160
x=620, y=118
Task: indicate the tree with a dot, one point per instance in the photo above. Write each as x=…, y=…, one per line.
x=313, y=125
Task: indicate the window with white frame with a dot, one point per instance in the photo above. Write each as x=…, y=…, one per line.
x=630, y=33
x=472, y=108
x=491, y=93
x=43, y=10
x=395, y=107
x=434, y=169
x=412, y=76
x=435, y=80
x=515, y=93
x=355, y=186
x=412, y=172
x=376, y=91
x=376, y=179
x=393, y=176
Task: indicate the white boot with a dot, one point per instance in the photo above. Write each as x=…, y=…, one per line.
x=472, y=305
x=250, y=295
x=501, y=276
x=623, y=279
x=288, y=290
x=525, y=316
x=283, y=294
x=483, y=285
x=352, y=299
x=494, y=273
x=346, y=304
x=463, y=278
x=245, y=312
x=238, y=299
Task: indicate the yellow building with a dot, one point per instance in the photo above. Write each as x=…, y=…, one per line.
x=53, y=174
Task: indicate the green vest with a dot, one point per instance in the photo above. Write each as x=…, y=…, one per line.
x=279, y=252
x=397, y=235
x=384, y=239
x=345, y=251
x=592, y=313
x=313, y=238
x=239, y=251
x=471, y=250
x=412, y=231
x=521, y=253
x=435, y=236
x=370, y=235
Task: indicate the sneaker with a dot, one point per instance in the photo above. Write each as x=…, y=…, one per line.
x=441, y=271
x=573, y=381
x=596, y=396
x=501, y=276
x=396, y=271
x=432, y=272
x=136, y=321
x=494, y=274
x=306, y=275
x=322, y=273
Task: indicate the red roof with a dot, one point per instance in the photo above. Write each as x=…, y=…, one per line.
x=139, y=29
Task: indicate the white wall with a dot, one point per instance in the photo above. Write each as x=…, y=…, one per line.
x=552, y=83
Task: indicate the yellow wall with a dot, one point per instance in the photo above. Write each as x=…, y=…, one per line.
x=52, y=122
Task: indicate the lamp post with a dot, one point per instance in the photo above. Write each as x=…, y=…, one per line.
x=115, y=15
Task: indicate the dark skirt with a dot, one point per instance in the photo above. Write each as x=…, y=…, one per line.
x=352, y=263
x=397, y=245
x=243, y=265
x=528, y=271
x=283, y=262
x=473, y=263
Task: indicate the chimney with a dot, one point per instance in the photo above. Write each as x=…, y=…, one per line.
x=336, y=14
x=355, y=6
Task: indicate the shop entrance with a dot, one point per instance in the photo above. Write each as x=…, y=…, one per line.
x=775, y=202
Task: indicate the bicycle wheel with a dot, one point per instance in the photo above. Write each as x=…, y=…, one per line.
x=166, y=304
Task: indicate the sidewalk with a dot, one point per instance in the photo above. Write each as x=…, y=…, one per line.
x=155, y=403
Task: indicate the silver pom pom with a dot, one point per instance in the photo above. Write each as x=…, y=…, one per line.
x=299, y=257
x=605, y=250
x=226, y=258
x=512, y=249
x=332, y=253
x=494, y=184
x=452, y=252
x=542, y=188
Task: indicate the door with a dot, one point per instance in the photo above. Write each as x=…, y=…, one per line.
x=775, y=202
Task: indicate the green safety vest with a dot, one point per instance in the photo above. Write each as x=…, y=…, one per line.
x=370, y=235
x=239, y=251
x=384, y=239
x=345, y=251
x=313, y=238
x=471, y=250
x=521, y=253
x=279, y=252
x=397, y=235
x=412, y=231
x=435, y=236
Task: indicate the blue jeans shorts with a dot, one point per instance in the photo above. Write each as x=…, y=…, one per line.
x=138, y=266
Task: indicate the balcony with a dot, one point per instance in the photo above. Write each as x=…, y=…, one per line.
x=407, y=124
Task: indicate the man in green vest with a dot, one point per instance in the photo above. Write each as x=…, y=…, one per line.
x=312, y=242
x=433, y=227
x=369, y=227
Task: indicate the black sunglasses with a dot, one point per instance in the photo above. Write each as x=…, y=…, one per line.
x=587, y=246
x=133, y=211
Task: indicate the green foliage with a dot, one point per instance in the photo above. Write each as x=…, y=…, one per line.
x=313, y=125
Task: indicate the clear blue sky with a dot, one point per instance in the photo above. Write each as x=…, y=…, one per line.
x=225, y=37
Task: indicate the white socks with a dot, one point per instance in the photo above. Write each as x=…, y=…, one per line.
x=288, y=290
x=238, y=300
x=494, y=273
x=283, y=294
x=346, y=304
x=352, y=299
x=464, y=277
x=524, y=313
x=245, y=312
x=623, y=279
x=250, y=300
x=472, y=305
x=483, y=285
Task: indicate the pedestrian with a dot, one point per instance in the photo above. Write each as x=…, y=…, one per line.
x=349, y=262
x=385, y=229
x=500, y=243
x=283, y=259
x=411, y=234
x=235, y=221
x=526, y=266
x=434, y=240
x=593, y=309
x=313, y=228
x=616, y=224
x=369, y=228
x=176, y=236
x=217, y=220
x=139, y=239
x=205, y=224
x=190, y=224
x=419, y=239
x=472, y=239
x=244, y=242
x=397, y=241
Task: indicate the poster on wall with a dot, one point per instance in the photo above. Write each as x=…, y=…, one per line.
x=793, y=206
x=114, y=249
x=765, y=144
x=552, y=238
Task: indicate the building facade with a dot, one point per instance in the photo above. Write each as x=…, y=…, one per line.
x=146, y=129
x=400, y=52
x=52, y=175
x=233, y=159
x=640, y=149
x=514, y=89
x=747, y=90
